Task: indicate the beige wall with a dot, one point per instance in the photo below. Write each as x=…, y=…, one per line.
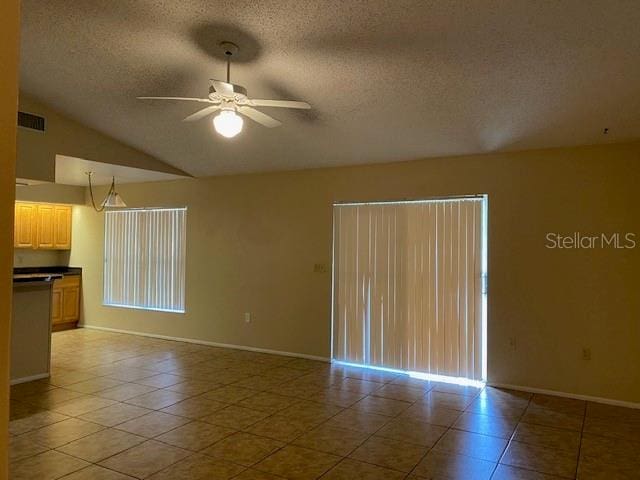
x=37, y=150
x=253, y=240
x=26, y=257
x=9, y=27
x=52, y=193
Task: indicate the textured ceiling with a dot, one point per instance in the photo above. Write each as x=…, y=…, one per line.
x=388, y=80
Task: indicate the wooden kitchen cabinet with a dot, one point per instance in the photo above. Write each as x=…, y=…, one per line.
x=56, y=305
x=24, y=228
x=42, y=226
x=62, y=227
x=65, y=302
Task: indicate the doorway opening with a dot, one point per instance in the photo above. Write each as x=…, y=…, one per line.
x=410, y=287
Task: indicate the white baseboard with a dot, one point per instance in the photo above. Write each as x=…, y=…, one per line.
x=588, y=398
x=31, y=378
x=210, y=344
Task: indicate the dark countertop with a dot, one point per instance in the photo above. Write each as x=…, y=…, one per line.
x=43, y=274
x=54, y=269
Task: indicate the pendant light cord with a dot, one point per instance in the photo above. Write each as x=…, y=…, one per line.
x=111, y=190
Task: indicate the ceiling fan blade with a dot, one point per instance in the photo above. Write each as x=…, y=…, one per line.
x=223, y=88
x=200, y=114
x=280, y=103
x=257, y=116
x=185, y=99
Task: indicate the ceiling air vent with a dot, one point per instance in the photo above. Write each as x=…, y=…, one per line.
x=30, y=121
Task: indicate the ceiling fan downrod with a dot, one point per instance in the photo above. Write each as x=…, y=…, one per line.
x=229, y=50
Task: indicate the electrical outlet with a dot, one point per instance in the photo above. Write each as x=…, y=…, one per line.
x=586, y=353
x=247, y=317
x=320, y=268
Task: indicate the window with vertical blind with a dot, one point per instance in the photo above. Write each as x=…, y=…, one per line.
x=144, y=258
x=408, y=286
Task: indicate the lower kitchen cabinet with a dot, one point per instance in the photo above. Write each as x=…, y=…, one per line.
x=65, y=302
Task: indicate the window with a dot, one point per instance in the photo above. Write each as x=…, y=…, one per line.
x=408, y=286
x=144, y=258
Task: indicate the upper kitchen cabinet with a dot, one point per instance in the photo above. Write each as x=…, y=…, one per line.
x=43, y=226
x=25, y=225
x=62, y=224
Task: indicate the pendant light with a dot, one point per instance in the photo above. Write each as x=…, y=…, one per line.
x=112, y=200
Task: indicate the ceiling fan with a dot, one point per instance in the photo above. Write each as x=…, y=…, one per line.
x=230, y=100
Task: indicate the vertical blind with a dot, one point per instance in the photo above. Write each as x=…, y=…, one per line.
x=144, y=258
x=408, y=286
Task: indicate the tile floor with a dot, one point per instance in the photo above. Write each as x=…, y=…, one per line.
x=119, y=407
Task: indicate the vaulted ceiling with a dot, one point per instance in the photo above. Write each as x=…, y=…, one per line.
x=388, y=80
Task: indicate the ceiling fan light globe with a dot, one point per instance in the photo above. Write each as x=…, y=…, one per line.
x=228, y=123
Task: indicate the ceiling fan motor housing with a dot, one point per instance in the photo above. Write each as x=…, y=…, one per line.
x=238, y=90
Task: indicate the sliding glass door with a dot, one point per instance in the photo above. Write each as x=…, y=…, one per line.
x=408, y=285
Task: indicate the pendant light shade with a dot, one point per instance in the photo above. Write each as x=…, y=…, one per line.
x=113, y=200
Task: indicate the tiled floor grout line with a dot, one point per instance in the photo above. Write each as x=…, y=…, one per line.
x=448, y=428
x=584, y=421
x=191, y=420
x=428, y=448
x=374, y=433
x=511, y=437
x=192, y=367
x=342, y=457
x=155, y=438
x=272, y=414
x=291, y=442
x=520, y=421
